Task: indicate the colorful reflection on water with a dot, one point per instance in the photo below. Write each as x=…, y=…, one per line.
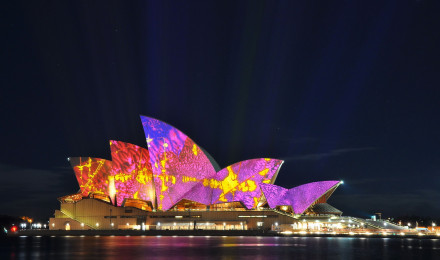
x=144, y=247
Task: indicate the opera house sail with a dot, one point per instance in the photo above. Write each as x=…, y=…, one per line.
x=172, y=174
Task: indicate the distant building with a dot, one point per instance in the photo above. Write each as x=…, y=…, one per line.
x=175, y=184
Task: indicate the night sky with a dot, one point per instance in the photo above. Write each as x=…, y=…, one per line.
x=340, y=90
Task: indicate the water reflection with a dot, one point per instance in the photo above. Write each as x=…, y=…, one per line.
x=141, y=247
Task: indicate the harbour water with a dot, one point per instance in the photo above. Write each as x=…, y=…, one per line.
x=178, y=247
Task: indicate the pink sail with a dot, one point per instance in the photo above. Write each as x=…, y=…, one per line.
x=132, y=173
x=300, y=197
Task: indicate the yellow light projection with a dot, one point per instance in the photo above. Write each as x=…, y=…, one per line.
x=177, y=174
x=111, y=187
x=181, y=170
x=132, y=172
x=240, y=181
x=92, y=174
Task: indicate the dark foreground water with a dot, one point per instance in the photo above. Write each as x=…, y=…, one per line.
x=122, y=248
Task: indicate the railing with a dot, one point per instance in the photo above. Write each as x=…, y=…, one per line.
x=384, y=224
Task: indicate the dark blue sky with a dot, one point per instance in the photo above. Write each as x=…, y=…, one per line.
x=338, y=89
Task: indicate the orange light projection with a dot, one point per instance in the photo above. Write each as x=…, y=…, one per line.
x=92, y=174
x=132, y=175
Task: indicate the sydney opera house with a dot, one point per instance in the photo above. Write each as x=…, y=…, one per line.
x=174, y=184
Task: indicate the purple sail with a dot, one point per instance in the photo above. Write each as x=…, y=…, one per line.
x=305, y=195
x=178, y=164
x=300, y=197
x=275, y=195
x=241, y=181
x=199, y=193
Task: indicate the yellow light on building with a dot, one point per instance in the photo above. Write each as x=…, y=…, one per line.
x=111, y=187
